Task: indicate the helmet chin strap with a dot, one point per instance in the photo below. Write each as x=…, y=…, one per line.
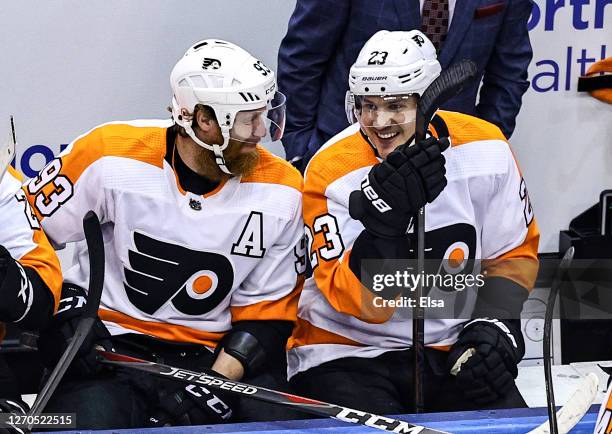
x=220, y=160
x=216, y=149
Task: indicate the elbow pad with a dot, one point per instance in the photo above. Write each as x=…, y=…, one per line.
x=245, y=347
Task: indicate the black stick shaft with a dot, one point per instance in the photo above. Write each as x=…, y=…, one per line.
x=418, y=312
x=307, y=405
x=95, y=245
x=550, y=306
x=448, y=84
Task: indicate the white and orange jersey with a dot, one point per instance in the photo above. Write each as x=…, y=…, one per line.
x=22, y=236
x=179, y=266
x=604, y=418
x=483, y=213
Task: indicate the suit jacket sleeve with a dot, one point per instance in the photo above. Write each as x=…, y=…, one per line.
x=314, y=30
x=505, y=78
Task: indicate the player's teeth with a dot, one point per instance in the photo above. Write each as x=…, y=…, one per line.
x=387, y=136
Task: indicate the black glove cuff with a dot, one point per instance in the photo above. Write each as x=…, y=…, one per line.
x=500, y=298
x=245, y=348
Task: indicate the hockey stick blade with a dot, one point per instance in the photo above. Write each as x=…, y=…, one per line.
x=95, y=245
x=450, y=82
x=307, y=405
x=7, y=151
x=575, y=408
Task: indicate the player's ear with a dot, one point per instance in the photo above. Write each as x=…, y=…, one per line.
x=205, y=118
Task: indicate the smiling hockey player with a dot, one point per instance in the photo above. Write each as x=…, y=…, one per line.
x=202, y=229
x=362, y=190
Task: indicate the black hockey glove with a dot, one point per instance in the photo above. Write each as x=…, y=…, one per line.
x=395, y=189
x=485, y=358
x=10, y=282
x=14, y=407
x=192, y=405
x=6, y=260
x=53, y=340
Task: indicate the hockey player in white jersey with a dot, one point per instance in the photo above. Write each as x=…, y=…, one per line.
x=202, y=229
x=352, y=343
x=30, y=274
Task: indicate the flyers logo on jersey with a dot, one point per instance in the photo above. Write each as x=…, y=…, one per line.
x=449, y=249
x=192, y=281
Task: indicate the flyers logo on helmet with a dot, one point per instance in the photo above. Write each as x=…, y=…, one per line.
x=208, y=63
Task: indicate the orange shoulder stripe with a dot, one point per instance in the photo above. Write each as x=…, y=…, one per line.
x=335, y=161
x=274, y=170
x=145, y=144
x=465, y=128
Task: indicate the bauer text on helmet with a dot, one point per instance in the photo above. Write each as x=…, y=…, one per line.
x=392, y=70
x=240, y=89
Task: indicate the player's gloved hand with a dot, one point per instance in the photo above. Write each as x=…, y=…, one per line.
x=53, y=340
x=16, y=407
x=9, y=272
x=6, y=260
x=395, y=189
x=192, y=405
x=485, y=358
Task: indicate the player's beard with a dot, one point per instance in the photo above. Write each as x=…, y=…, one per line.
x=238, y=162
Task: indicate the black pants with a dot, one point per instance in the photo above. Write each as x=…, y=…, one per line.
x=126, y=398
x=383, y=385
x=9, y=387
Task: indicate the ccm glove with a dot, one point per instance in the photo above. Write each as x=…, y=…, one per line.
x=395, y=189
x=192, y=405
x=485, y=358
x=53, y=340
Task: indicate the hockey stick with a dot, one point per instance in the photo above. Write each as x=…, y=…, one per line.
x=307, y=405
x=448, y=84
x=552, y=296
x=575, y=408
x=7, y=151
x=95, y=246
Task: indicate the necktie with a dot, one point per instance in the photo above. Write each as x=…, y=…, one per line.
x=434, y=21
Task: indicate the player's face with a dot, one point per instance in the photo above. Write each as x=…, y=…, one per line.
x=249, y=128
x=241, y=157
x=387, y=121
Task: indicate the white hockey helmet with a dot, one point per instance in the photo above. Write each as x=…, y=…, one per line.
x=228, y=79
x=392, y=63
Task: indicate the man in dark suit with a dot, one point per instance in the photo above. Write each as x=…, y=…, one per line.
x=325, y=36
